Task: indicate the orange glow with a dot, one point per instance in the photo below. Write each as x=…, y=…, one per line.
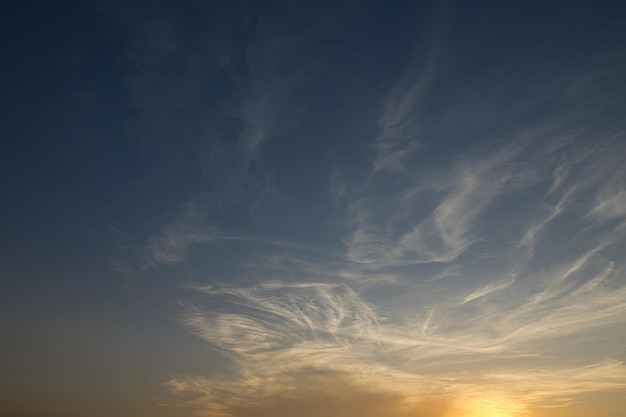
x=489, y=407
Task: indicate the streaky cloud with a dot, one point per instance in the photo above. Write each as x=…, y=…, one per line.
x=399, y=121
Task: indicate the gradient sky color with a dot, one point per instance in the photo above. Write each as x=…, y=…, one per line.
x=314, y=209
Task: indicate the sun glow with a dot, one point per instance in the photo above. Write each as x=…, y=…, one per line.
x=490, y=407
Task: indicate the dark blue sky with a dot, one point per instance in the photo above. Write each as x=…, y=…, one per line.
x=206, y=200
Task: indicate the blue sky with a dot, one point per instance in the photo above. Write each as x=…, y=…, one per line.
x=314, y=208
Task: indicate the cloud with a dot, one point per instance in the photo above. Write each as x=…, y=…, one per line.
x=427, y=300
x=461, y=280
x=275, y=330
x=221, y=87
x=557, y=209
x=309, y=310
x=489, y=289
x=172, y=245
x=453, y=281
x=610, y=202
x=555, y=386
x=310, y=392
x=399, y=121
x=465, y=191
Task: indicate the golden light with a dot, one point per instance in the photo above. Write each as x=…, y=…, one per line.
x=489, y=407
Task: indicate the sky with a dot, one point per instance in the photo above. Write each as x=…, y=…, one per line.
x=313, y=208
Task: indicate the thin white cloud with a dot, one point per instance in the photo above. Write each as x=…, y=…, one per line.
x=172, y=245
x=277, y=328
x=610, y=202
x=537, y=227
x=489, y=289
x=507, y=328
x=448, y=230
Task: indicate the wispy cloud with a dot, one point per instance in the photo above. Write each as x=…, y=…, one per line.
x=447, y=230
x=449, y=281
x=172, y=245
x=308, y=392
x=610, y=202
x=415, y=321
x=277, y=330
x=401, y=114
x=489, y=289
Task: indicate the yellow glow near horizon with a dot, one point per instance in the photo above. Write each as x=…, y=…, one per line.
x=489, y=407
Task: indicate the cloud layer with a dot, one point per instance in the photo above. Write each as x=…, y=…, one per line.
x=466, y=257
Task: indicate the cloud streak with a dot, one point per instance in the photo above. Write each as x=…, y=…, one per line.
x=400, y=117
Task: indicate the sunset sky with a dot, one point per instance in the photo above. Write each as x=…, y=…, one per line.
x=313, y=209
